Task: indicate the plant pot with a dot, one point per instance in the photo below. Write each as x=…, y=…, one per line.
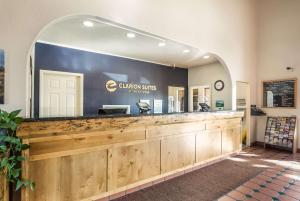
x=3, y=132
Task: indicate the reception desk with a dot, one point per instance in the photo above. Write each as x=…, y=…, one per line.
x=91, y=158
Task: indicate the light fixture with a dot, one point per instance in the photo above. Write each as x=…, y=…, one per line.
x=130, y=35
x=206, y=57
x=186, y=51
x=88, y=23
x=161, y=44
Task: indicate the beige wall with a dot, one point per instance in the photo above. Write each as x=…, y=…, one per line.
x=207, y=75
x=224, y=27
x=278, y=47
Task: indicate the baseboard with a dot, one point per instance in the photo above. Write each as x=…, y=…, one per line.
x=257, y=143
x=261, y=144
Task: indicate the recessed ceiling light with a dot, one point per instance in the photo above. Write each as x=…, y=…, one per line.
x=206, y=57
x=88, y=23
x=161, y=44
x=130, y=35
x=186, y=51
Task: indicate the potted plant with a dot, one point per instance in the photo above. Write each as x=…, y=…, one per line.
x=11, y=147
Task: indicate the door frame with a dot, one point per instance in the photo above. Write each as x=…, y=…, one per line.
x=247, y=115
x=80, y=78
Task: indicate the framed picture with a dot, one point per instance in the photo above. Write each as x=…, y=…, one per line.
x=2, y=62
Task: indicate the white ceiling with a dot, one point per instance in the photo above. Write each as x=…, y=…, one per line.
x=110, y=38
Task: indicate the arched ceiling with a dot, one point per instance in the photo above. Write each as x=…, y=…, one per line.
x=111, y=38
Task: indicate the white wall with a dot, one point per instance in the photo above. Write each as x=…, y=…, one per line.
x=278, y=47
x=224, y=27
x=208, y=75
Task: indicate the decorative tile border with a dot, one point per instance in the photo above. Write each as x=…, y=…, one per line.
x=278, y=183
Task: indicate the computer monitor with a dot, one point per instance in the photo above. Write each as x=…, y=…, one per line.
x=143, y=107
x=111, y=111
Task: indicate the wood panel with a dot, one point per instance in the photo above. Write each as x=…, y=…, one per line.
x=54, y=146
x=208, y=145
x=231, y=140
x=46, y=175
x=177, y=152
x=25, y=192
x=175, y=129
x=69, y=178
x=133, y=163
x=4, y=191
x=1, y=186
x=83, y=175
x=222, y=123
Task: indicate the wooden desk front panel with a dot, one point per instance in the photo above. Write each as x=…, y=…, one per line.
x=208, y=145
x=67, y=178
x=177, y=152
x=87, y=165
x=231, y=140
x=132, y=163
x=4, y=188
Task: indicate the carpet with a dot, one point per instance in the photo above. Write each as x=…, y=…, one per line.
x=211, y=182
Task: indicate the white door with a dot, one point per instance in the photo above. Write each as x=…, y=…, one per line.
x=61, y=94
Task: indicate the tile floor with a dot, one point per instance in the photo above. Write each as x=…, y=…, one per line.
x=279, y=182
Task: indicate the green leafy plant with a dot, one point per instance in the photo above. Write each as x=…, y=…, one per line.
x=11, y=147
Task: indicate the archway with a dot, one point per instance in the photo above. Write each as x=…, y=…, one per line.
x=86, y=46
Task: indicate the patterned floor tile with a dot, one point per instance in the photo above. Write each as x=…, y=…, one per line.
x=275, y=187
x=279, y=182
x=293, y=194
x=286, y=198
x=258, y=181
x=297, y=183
x=294, y=188
x=269, y=174
x=284, y=178
x=251, y=185
x=244, y=189
x=261, y=197
x=237, y=195
x=292, y=172
x=264, y=177
x=269, y=192
x=226, y=198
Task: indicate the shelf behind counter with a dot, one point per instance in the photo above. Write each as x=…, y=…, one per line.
x=90, y=158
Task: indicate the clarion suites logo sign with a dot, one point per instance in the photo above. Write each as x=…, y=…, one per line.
x=113, y=86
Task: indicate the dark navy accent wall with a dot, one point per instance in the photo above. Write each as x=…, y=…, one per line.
x=99, y=68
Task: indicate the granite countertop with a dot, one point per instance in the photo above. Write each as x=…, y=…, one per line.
x=114, y=116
